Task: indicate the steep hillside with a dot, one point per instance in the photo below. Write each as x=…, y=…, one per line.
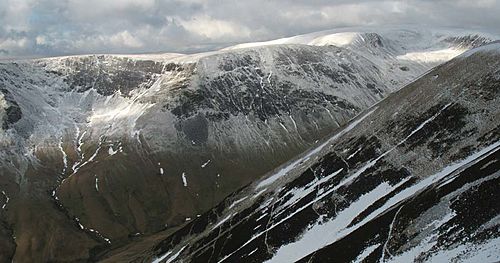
x=109, y=148
x=414, y=178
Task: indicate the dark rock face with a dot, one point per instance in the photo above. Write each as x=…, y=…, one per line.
x=195, y=128
x=413, y=179
x=108, y=75
x=13, y=112
x=471, y=41
x=246, y=84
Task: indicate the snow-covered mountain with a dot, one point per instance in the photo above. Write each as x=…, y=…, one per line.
x=413, y=178
x=108, y=149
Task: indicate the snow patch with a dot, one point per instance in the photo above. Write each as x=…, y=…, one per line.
x=354, y=153
x=205, y=164
x=79, y=145
x=6, y=200
x=111, y=151
x=166, y=255
x=65, y=156
x=223, y=220
x=436, y=56
x=96, y=183
x=259, y=193
x=184, y=180
x=366, y=252
x=92, y=157
x=261, y=216
x=253, y=251
x=488, y=164
x=339, y=39
x=237, y=202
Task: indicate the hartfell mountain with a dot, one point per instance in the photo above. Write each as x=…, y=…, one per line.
x=105, y=152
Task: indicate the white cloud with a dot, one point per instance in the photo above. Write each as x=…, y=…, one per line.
x=124, y=38
x=215, y=29
x=57, y=27
x=41, y=40
x=89, y=9
x=13, y=44
x=15, y=14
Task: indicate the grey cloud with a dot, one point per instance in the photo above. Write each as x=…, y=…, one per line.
x=30, y=28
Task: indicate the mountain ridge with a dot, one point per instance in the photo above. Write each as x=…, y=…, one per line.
x=108, y=147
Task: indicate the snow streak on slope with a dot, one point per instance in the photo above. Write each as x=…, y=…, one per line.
x=7, y=199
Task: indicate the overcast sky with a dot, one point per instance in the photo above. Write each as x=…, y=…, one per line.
x=33, y=28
